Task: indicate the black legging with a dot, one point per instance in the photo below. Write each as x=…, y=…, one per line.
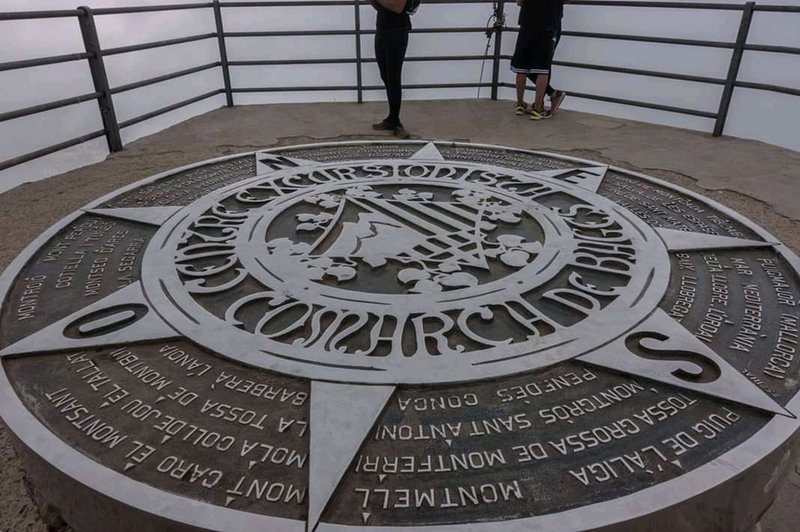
x=390, y=51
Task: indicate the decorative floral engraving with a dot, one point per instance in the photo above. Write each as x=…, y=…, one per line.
x=442, y=240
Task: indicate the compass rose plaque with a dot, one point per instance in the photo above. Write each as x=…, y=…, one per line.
x=383, y=335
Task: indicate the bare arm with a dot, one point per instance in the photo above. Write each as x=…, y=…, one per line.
x=395, y=6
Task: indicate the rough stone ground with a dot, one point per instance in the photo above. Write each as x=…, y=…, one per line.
x=758, y=180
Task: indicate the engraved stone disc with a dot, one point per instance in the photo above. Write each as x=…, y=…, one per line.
x=402, y=334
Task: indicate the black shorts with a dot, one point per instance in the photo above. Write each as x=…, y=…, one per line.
x=534, y=51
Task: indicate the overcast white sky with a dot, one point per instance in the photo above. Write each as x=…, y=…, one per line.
x=770, y=117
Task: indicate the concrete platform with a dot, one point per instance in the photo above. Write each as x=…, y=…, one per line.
x=755, y=179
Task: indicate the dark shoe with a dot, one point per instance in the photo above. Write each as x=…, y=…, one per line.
x=400, y=132
x=556, y=100
x=383, y=125
x=540, y=114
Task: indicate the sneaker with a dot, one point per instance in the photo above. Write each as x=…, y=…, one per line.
x=556, y=100
x=400, y=132
x=383, y=125
x=521, y=109
x=540, y=114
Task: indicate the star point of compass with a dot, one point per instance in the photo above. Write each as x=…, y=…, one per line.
x=663, y=350
x=676, y=240
x=341, y=417
x=267, y=162
x=429, y=152
x=123, y=317
x=157, y=216
x=586, y=177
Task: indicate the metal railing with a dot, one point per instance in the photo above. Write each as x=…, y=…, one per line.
x=104, y=94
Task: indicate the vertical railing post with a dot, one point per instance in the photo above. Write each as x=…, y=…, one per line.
x=97, y=67
x=359, y=78
x=733, y=69
x=223, y=53
x=498, y=42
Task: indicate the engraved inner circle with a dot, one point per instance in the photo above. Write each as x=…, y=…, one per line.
x=406, y=244
x=395, y=271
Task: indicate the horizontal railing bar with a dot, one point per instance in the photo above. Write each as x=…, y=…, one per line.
x=646, y=105
x=437, y=58
x=465, y=29
x=644, y=38
x=776, y=8
x=772, y=48
x=326, y=33
x=157, y=44
x=165, y=77
x=766, y=87
x=149, y=9
x=41, y=61
x=167, y=109
x=637, y=72
x=296, y=89
x=633, y=103
x=353, y=87
x=284, y=62
x=31, y=15
x=471, y=85
x=4, y=165
x=660, y=5
x=41, y=108
x=347, y=60
x=366, y=3
x=288, y=33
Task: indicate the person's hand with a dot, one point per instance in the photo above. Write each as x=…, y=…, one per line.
x=374, y=3
x=519, y=3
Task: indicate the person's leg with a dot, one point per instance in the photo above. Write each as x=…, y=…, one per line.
x=541, y=88
x=380, y=56
x=550, y=90
x=396, y=46
x=556, y=99
x=522, y=81
x=556, y=96
x=541, y=58
x=520, y=66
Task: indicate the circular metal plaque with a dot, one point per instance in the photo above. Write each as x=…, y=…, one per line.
x=407, y=334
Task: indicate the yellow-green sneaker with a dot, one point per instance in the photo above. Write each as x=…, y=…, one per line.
x=542, y=114
x=521, y=109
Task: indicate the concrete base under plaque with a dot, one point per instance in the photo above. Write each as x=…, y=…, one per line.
x=375, y=335
x=734, y=505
